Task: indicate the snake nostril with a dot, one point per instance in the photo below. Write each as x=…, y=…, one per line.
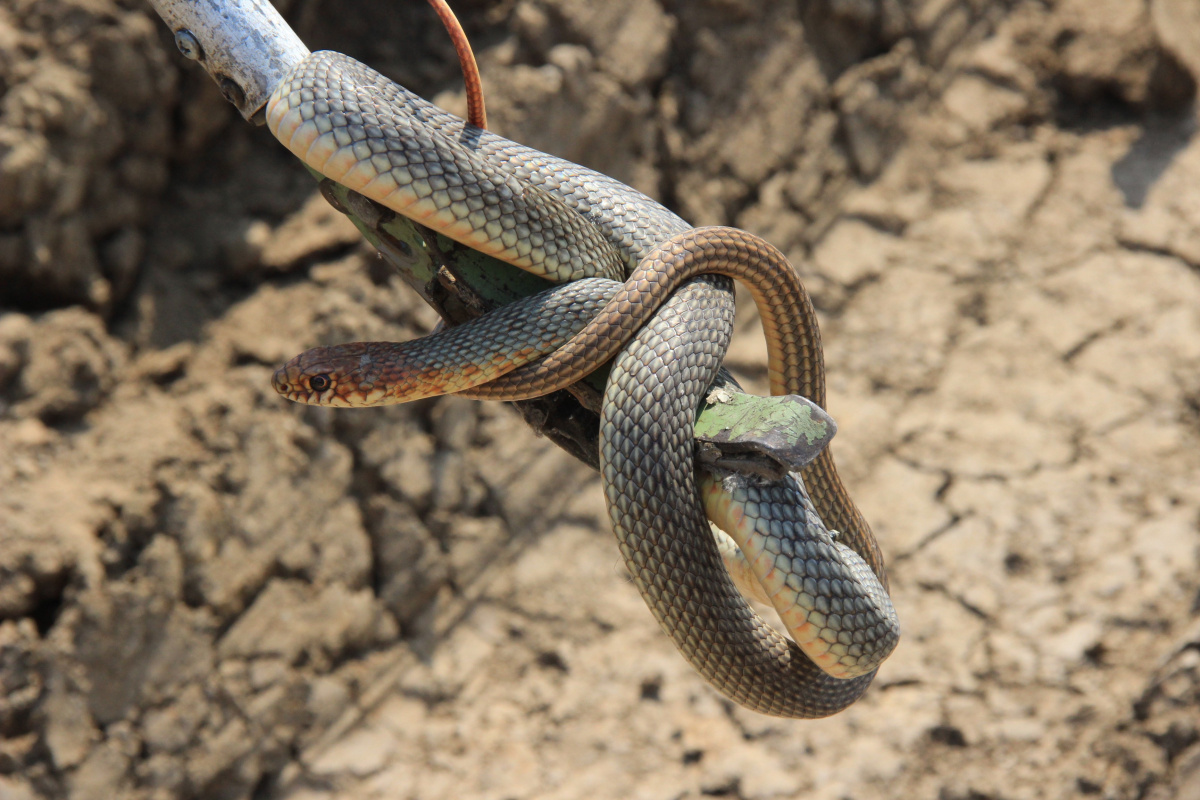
x=282, y=383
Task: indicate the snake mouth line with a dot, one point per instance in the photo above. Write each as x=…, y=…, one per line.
x=307, y=388
x=282, y=383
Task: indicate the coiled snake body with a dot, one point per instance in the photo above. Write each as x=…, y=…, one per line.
x=565, y=222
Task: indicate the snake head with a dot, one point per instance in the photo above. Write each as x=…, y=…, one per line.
x=345, y=376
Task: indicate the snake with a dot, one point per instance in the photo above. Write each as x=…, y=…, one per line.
x=660, y=302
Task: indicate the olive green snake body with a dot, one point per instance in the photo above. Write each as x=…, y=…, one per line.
x=668, y=325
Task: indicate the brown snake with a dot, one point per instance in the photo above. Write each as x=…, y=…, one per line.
x=564, y=222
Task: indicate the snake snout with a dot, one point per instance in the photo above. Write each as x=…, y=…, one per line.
x=280, y=382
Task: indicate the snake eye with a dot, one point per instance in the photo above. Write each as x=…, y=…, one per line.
x=319, y=383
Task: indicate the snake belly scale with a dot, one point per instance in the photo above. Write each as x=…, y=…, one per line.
x=564, y=222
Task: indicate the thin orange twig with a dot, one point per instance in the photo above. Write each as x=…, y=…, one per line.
x=476, y=113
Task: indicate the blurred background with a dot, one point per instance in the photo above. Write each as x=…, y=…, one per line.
x=208, y=592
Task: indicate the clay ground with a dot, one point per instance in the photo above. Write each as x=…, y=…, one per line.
x=206, y=592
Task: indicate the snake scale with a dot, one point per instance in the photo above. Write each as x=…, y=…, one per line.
x=668, y=324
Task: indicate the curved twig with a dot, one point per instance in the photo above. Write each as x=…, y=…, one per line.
x=476, y=113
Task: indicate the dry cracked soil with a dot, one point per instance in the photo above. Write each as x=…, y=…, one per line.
x=206, y=592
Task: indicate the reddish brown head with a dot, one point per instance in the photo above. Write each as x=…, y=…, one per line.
x=345, y=376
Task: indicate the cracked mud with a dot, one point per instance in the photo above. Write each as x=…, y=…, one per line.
x=206, y=592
